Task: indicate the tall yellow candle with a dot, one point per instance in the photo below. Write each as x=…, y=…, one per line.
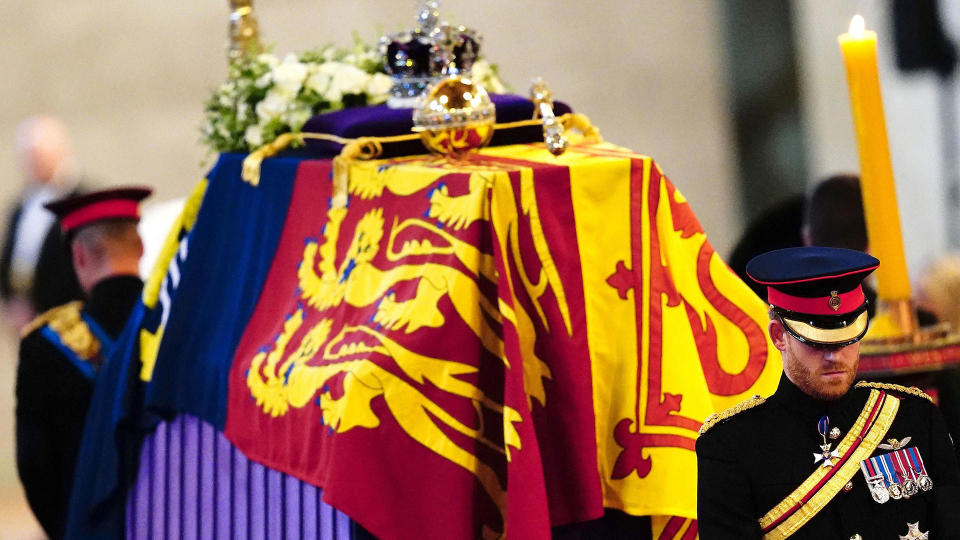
x=859, y=48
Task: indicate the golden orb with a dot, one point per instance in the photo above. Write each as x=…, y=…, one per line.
x=456, y=118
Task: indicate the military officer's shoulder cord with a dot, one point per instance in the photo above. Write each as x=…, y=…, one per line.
x=68, y=311
x=716, y=418
x=910, y=390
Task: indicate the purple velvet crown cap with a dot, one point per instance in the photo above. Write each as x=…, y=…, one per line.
x=382, y=121
x=410, y=56
x=410, y=53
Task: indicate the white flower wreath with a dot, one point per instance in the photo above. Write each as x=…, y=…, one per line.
x=265, y=96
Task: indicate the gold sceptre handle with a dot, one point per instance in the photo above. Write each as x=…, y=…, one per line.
x=553, y=129
x=244, y=29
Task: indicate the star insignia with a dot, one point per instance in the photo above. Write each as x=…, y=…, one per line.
x=827, y=456
x=913, y=532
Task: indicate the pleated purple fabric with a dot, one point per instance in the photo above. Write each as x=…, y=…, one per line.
x=193, y=484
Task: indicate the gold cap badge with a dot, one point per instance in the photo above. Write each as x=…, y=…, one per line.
x=834, y=301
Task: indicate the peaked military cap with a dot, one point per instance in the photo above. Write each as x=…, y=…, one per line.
x=816, y=291
x=76, y=211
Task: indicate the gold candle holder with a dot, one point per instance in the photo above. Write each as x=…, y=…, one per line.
x=897, y=345
x=894, y=321
x=244, y=30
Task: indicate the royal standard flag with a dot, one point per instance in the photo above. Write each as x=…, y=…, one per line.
x=486, y=348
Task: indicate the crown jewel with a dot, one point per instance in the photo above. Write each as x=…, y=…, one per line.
x=416, y=58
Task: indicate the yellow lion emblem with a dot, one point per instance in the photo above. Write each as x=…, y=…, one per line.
x=288, y=373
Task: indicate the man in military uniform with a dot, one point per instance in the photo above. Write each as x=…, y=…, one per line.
x=824, y=457
x=63, y=348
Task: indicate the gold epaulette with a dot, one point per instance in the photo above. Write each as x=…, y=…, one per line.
x=49, y=315
x=66, y=322
x=718, y=417
x=912, y=390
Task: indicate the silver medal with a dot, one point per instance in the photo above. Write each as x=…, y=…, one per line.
x=878, y=489
x=879, y=494
x=910, y=488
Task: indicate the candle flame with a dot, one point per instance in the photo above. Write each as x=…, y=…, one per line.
x=857, y=26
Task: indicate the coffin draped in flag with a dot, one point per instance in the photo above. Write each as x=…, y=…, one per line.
x=479, y=349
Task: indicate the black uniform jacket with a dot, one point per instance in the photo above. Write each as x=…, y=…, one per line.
x=750, y=462
x=55, y=379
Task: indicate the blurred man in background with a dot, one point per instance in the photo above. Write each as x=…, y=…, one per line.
x=35, y=272
x=64, y=347
x=834, y=217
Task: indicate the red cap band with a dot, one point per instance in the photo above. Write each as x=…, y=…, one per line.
x=117, y=208
x=845, y=302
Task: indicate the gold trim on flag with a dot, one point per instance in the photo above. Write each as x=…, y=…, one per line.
x=817, y=498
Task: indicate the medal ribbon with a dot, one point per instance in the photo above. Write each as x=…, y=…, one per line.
x=872, y=468
x=916, y=461
x=890, y=471
x=901, y=464
x=819, y=488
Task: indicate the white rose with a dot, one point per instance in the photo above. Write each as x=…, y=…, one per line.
x=493, y=85
x=268, y=59
x=318, y=81
x=264, y=80
x=329, y=68
x=371, y=57
x=326, y=73
x=272, y=106
x=253, y=136
x=296, y=117
x=289, y=75
x=379, y=87
x=480, y=69
x=348, y=80
x=483, y=74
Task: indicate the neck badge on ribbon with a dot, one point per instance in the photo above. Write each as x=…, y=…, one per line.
x=826, y=455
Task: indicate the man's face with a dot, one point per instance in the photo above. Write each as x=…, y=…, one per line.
x=818, y=371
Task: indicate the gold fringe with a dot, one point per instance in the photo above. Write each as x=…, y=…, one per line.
x=252, y=163
x=716, y=418
x=912, y=390
x=366, y=148
x=363, y=148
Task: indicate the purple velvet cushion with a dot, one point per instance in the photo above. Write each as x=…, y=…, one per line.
x=382, y=121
